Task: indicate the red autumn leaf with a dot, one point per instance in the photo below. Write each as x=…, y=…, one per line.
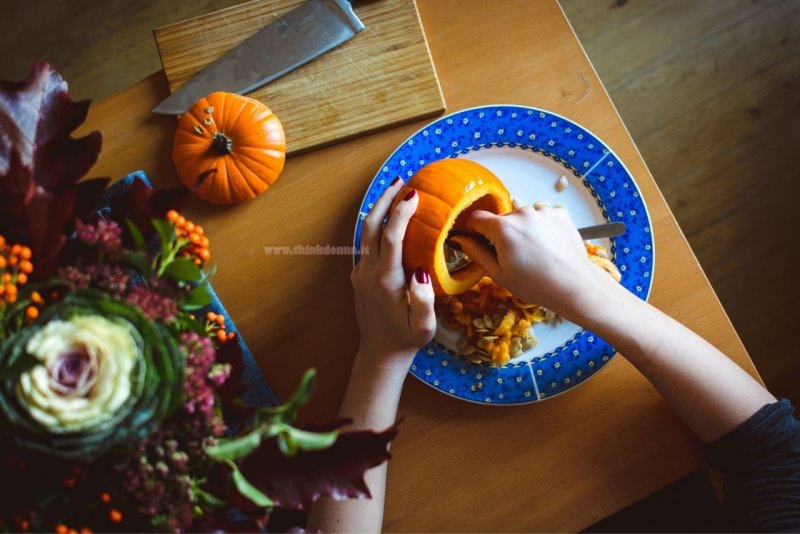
x=338, y=471
x=140, y=203
x=40, y=163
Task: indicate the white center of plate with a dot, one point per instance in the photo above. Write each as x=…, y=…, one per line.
x=530, y=177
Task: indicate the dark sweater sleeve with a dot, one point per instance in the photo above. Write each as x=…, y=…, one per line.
x=760, y=465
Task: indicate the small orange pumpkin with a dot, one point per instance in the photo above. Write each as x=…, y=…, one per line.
x=229, y=147
x=449, y=190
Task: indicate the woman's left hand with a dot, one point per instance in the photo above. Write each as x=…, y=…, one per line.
x=396, y=318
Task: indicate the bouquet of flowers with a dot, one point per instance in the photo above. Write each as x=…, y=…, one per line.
x=120, y=393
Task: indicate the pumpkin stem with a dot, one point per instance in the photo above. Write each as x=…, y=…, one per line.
x=222, y=144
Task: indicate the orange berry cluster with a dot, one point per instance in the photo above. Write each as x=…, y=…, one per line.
x=197, y=247
x=216, y=327
x=32, y=311
x=64, y=529
x=15, y=267
x=113, y=514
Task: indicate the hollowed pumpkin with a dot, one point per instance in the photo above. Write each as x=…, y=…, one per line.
x=228, y=148
x=448, y=190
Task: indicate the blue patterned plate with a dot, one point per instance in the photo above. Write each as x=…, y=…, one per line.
x=529, y=149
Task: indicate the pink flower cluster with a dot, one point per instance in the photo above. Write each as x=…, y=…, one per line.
x=203, y=374
x=158, y=474
x=154, y=305
x=105, y=235
x=106, y=277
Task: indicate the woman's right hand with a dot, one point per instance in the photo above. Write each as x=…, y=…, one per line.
x=538, y=255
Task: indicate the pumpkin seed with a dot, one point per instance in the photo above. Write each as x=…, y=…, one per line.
x=198, y=129
x=562, y=183
x=478, y=323
x=549, y=315
x=209, y=109
x=488, y=322
x=516, y=346
x=601, y=252
x=467, y=350
x=208, y=120
x=541, y=204
x=474, y=359
x=489, y=338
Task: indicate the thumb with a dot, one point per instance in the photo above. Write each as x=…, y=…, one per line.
x=477, y=250
x=421, y=315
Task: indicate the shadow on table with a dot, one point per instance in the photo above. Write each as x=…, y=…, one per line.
x=689, y=505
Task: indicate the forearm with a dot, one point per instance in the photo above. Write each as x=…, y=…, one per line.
x=705, y=388
x=371, y=400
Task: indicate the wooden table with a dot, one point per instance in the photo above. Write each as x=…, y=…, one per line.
x=558, y=465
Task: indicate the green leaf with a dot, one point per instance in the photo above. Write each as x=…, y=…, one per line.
x=139, y=261
x=286, y=413
x=136, y=234
x=301, y=396
x=183, y=322
x=311, y=441
x=247, y=489
x=235, y=448
x=209, y=499
x=183, y=270
x=287, y=445
x=23, y=363
x=167, y=234
x=198, y=298
x=165, y=230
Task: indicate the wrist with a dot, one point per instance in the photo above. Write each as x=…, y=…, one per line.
x=383, y=365
x=598, y=294
x=373, y=392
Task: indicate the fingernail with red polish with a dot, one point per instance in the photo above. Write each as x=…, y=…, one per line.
x=394, y=181
x=422, y=276
x=411, y=194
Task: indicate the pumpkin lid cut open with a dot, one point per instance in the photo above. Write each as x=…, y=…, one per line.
x=449, y=190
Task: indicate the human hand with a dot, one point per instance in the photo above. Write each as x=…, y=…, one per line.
x=538, y=255
x=395, y=318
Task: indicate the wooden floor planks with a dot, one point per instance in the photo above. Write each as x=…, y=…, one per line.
x=710, y=90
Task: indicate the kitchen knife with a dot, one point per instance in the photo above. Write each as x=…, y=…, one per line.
x=612, y=229
x=308, y=31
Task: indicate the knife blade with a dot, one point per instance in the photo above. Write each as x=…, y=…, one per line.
x=302, y=34
x=612, y=229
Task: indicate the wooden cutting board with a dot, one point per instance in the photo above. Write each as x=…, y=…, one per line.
x=382, y=77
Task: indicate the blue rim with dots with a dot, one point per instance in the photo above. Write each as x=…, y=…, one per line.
x=610, y=184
